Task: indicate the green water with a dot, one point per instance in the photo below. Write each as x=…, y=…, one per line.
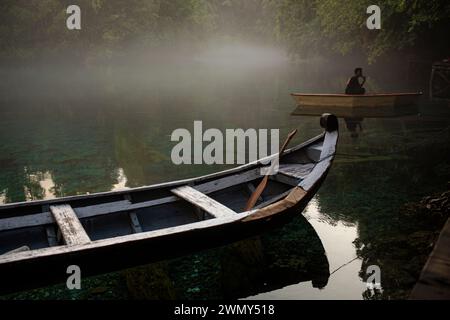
x=110, y=129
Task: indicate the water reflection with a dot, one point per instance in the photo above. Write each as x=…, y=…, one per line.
x=354, y=117
x=289, y=255
x=40, y=186
x=121, y=180
x=354, y=125
x=338, y=239
x=3, y=196
x=358, y=112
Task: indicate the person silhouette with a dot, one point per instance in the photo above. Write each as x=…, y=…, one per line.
x=353, y=84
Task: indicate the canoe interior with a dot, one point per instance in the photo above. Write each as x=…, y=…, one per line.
x=111, y=215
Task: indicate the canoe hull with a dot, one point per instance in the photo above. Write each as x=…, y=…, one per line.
x=356, y=101
x=50, y=269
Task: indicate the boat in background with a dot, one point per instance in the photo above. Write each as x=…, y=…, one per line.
x=356, y=101
x=115, y=230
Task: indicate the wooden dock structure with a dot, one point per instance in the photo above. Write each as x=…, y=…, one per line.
x=440, y=80
x=434, y=282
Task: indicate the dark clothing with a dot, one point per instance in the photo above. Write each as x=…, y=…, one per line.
x=354, y=87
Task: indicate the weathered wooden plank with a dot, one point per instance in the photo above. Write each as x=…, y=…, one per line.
x=52, y=237
x=134, y=221
x=291, y=174
x=434, y=282
x=26, y=221
x=291, y=181
x=229, y=181
x=20, y=249
x=202, y=201
x=104, y=208
x=46, y=217
x=299, y=171
x=71, y=229
x=135, y=224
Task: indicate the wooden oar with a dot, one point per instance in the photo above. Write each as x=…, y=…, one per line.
x=262, y=185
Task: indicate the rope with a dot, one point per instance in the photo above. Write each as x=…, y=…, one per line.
x=347, y=263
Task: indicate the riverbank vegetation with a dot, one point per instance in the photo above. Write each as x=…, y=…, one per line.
x=330, y=28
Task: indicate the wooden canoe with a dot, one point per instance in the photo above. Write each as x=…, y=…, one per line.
x=115, y=230
x=356, y=101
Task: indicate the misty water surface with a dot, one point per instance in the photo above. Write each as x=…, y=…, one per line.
x=68, y=129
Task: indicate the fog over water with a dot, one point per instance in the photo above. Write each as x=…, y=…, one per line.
x=74, y=126
x=217, y=67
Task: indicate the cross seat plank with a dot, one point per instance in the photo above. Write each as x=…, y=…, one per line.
x=298, y=171
x=202, y=201
x=71, y=229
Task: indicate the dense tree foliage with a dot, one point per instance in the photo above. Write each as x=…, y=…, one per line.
x=340, y=26
x=32, y=27
x=29, y=28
